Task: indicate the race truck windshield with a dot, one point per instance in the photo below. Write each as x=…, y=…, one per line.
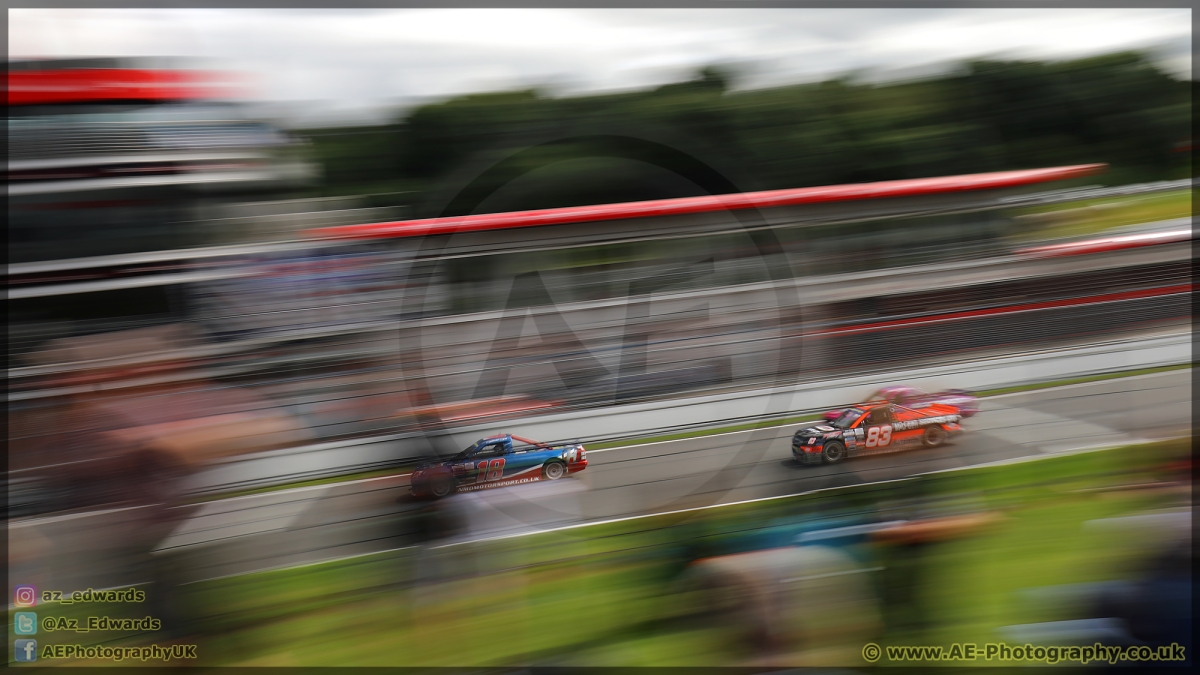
x=847, y=418
x=465, y=453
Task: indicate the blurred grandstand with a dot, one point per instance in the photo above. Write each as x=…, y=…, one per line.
x=115, y=163
x=110, y=156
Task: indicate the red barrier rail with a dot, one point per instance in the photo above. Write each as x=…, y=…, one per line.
x=1008, y=309
x=691, y=205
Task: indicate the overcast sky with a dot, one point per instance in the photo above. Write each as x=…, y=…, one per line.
x=360, y=62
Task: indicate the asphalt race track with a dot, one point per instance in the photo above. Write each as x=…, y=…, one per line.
x=309, y=524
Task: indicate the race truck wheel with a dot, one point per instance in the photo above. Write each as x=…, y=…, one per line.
x=934, y=436
x=554, y=470
x=440, y=487
x=834, y=452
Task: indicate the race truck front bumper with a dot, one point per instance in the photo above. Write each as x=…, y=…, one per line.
x=808, y=454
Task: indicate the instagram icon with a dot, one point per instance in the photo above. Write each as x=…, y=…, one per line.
x=25, y=596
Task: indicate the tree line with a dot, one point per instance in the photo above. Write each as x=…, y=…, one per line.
x=528, y=149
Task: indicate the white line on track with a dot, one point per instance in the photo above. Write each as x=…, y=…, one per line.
x=1015, y=460
x=300, y=566
x=666, y=513
x=306, y=488
x=693, y=438
x=325, y=486
x=70, y=516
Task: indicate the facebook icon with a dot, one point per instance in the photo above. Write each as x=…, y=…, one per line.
x=25, y=650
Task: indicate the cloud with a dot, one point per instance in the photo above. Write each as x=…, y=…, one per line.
x=366, y=58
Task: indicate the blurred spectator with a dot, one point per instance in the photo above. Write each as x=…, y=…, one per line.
x=1156, y=606
x=907, y=547
x=140, y=417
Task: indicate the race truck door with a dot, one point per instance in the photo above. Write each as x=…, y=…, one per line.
x=907, y=431
x=487, y=464
x=877, y=428
x=526, y=460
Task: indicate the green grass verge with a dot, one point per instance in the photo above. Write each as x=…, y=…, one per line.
x=1082, y=380
x=1091, y=216
x=601, y=595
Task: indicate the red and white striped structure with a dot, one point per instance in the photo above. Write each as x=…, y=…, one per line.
x=917, y=187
